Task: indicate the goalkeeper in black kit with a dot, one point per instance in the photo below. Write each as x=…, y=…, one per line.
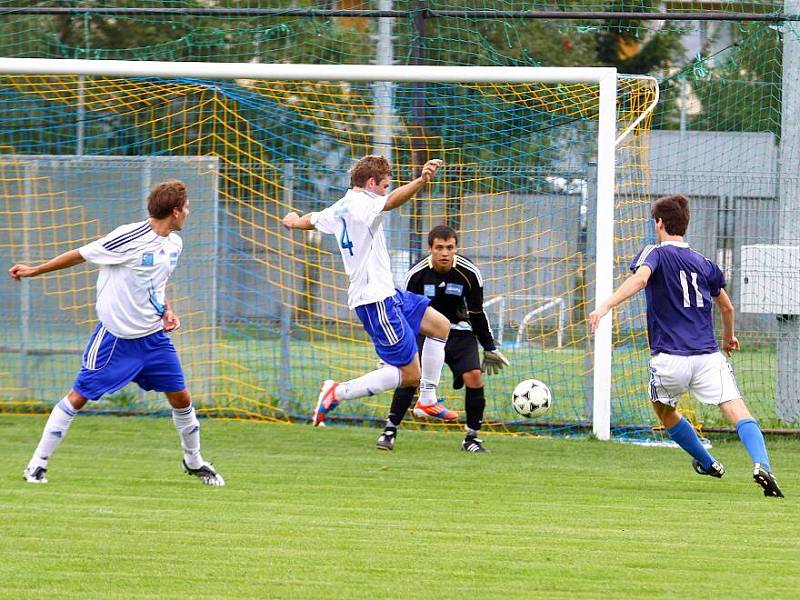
x=455, y=286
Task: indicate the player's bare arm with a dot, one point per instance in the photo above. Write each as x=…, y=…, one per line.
x=729, y=341
x=404, y=193
x=634, y=283
x=295, y=221
x=62, y=261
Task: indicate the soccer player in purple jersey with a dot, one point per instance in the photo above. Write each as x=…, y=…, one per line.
x=680, y=285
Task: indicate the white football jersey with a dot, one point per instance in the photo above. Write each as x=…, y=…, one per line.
x=357, y=222
x=135, y=263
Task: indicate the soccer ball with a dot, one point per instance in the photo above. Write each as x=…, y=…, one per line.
x=531, y=398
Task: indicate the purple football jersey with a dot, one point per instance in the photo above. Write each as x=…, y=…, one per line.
x=680, y=318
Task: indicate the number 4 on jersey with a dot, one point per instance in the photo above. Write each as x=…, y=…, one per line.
x=345, y=240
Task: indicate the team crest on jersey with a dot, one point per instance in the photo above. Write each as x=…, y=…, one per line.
x=454, y=289
x=147, y=259
x=430, y=290
x=173, y=258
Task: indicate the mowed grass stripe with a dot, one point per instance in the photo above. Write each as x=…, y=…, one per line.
x=322, y=514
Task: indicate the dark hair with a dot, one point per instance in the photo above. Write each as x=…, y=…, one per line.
x=673, y=212
x=370, y=166
x=441, y=232
x=165, y=197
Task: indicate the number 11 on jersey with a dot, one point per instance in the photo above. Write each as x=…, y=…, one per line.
x=685, y=287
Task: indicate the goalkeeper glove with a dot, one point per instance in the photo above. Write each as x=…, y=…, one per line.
x=493, y=361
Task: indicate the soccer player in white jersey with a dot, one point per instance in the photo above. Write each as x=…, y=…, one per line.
x=392, y=318
x=681, y=286
x=129, y=343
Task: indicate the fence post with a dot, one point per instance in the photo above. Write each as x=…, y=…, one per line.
x=29, y=172
x=787, y=401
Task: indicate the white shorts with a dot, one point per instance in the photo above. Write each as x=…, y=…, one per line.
x=708, y=376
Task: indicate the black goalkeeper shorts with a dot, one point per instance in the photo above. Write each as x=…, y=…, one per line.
x=460, y=354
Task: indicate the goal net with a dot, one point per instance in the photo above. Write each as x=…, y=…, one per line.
x=264, y=310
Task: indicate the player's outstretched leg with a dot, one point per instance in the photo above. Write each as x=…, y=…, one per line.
x=326, y=402
x=331, y=393
x=55, y=430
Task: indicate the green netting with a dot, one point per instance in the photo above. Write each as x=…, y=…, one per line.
x=715, y=135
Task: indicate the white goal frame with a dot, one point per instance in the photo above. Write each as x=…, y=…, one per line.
x=605, y=77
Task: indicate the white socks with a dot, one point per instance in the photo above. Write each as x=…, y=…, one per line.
x=54, y=431
x=188, y=428
x=432, y=361
x=374, y=382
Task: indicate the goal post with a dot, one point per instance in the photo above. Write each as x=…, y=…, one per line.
x=321, y=276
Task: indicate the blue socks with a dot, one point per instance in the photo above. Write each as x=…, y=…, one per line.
x=753, y=441
x=685, y=436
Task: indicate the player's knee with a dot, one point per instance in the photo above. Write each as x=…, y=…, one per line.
x=76, y=400
x=443, y=327
x=181, y=399
x=735, y=410
x=438, y=324
x=473, y=378
x=666, y=413
x=409, y=380
x=410, y=375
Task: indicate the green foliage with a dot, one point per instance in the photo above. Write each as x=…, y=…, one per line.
x=629, y=47
x=739, y=89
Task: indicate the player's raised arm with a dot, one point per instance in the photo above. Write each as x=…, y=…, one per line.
x=62, y=261
x=404, y=193
x=634, y=283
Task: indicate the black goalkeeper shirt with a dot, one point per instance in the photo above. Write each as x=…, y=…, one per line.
x=457, y=294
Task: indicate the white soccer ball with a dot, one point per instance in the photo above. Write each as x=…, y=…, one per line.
x=531, y=398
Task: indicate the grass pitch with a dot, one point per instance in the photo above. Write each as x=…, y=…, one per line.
x=322, y=514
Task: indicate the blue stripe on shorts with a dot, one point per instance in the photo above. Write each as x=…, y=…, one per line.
x=393, y=325
x=110, y=363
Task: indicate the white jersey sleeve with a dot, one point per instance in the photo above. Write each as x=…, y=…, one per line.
x=326, y=220
x=113, y=249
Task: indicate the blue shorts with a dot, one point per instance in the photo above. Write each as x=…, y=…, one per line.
x=393, y=325
x=110, y=363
